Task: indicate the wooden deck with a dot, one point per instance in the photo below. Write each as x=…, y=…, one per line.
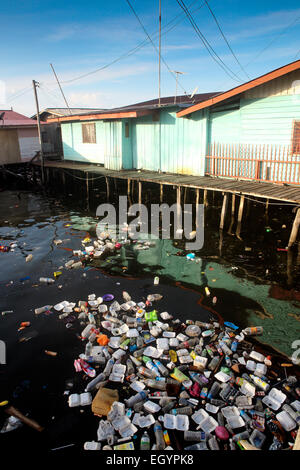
x=279, y=192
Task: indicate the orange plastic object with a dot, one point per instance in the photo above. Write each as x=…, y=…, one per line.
x=102, y=340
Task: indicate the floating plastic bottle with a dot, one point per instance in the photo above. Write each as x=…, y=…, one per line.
x=159, y=436
x=145, y=441
x=253, y=330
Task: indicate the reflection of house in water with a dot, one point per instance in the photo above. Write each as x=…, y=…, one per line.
x=161, y=260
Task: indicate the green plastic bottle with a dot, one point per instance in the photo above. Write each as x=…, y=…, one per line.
x=145, y=441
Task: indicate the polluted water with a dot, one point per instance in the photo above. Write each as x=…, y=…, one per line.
x=140, y=378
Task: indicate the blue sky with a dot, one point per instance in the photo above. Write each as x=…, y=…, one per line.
x=79, y=37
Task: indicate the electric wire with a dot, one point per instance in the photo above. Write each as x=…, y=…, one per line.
x=225, y=39
x=150, y=39
x=136, y=48
x=207, y=45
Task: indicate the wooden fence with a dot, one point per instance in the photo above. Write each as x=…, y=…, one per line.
x=261, y=162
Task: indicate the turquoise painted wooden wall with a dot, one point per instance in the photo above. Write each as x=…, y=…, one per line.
x=172, y=145
x=266, y=121
x=258, y=121
x=73, y=147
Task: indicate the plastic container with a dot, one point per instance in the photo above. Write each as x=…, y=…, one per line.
x=257, y=439
x=286, y=421
x=151, y=407
x=92, y=445
x=208, y=425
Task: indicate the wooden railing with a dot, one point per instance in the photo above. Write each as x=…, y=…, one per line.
x=261, y=162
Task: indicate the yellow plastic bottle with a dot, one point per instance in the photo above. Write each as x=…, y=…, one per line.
x=173, y=355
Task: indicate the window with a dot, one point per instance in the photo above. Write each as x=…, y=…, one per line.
x=296, y=138
x=126, y=129
x=89, y=133
x=45, y=139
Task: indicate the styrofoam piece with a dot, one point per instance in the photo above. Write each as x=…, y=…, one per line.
x=179, y=422
x=222, y=377
x=114, y=342
x=208, y=424
x=146, y=421
x=230, y=412
x=286, y=421
x=274, y=399
x=236, y=422
x=151, y=407
x=199, y=416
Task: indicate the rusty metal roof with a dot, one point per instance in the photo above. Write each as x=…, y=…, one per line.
x=138, y=109
x=12, y=119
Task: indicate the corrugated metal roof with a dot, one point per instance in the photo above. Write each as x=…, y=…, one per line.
x=65, y=111
x=12, y=119
x=165, y=102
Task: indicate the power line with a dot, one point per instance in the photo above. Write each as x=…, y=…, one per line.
x=17, y=95
x=274, y=39
x=225, y=39
x=136, y=48
x=150, y=39
x=207, y=45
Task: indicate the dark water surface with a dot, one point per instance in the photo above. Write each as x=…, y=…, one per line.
x=253, y=287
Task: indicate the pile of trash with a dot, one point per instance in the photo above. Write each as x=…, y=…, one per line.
x=155, y=383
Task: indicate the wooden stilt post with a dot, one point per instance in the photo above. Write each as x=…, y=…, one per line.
x=63, y=179
x=178, y=201
x=289, y=265
x=267, y=207
x=240, y=215
x=185, y=194
x=223, y=212
x=161, y=194
x=197, y=202
x=205, y=201
x=87, y=189
x=107, y=188
x=294, y=232
x=140, y=192
x=128, y=188
x=232, y=214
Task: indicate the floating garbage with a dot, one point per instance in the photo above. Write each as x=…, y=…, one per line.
x=146, y=376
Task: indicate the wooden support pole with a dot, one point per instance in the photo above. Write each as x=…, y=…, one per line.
x=223, y=212
x=87, y=189
x=128, y=187
x=289, y=267
x=185, y=194
x=63, y=179
x=197, y=202
x=178, y=201
x=240, y=216
x=107, y=188
x=161, y=193
x=205, y=201
x=140, y=192
x=232, y=214
x=294, y=232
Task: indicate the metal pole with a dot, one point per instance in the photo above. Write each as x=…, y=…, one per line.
x=60, y=89
x=159, y=48
x=34, y=83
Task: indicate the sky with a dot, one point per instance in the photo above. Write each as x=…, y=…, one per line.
x=80, y=37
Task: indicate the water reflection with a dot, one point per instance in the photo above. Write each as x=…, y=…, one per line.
x=252, y=281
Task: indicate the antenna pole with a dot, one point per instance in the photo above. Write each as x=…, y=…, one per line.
x=61, y=90
x=159, y=54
